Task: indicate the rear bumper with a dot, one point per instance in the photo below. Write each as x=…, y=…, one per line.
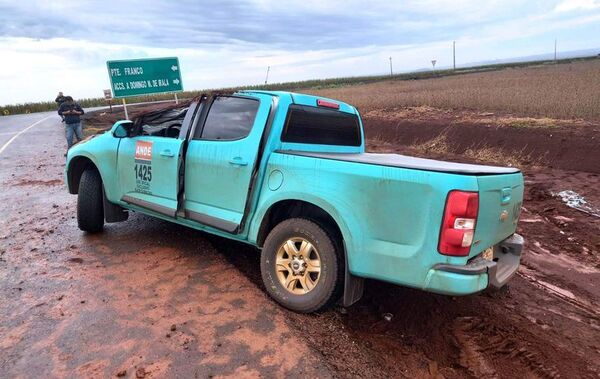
x=479, y=273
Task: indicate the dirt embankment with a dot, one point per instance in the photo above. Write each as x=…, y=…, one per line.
x=496, y=138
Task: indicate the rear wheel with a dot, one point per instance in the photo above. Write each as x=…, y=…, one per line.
x=300, y=266
x=90, y=211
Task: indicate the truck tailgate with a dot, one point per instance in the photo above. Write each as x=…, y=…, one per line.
x=500, y=200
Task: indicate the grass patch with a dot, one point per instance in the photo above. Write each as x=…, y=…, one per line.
x=494, y=155
x=440, y=147
x=436, y=146
x=528, y=122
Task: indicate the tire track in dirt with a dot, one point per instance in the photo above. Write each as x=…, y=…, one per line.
x=478, y=339
x=592, y=311
x=471, y=356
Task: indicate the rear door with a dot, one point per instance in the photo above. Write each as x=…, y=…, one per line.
x=148, y=169
x=221, y=159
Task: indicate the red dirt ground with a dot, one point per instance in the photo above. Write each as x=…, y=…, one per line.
x=81, y=305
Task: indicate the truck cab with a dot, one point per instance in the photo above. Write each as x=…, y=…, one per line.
x=288, y=173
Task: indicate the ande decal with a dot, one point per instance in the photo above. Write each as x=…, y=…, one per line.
x=143, y=166
x=143, y=151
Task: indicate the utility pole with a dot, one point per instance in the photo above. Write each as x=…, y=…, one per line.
x=267, y=77
x=555, y=42
x=454, y=54
x=391, y=71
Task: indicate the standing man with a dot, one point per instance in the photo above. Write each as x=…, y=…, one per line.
x=71, y=111
x=60, y=99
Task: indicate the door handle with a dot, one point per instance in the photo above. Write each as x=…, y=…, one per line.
x=167, y=153
x=238, y=161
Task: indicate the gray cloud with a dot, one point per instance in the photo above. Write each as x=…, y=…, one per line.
x=50, y=45
x=196, y=24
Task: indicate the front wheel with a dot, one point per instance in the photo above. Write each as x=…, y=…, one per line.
x=300, y=266
x=90, y=211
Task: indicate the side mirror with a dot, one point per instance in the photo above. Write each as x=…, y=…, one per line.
x=121, y=131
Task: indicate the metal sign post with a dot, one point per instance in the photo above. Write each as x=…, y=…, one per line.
x=125, y=109
x=108, y=98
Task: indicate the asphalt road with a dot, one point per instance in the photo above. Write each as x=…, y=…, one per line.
x=11, y=127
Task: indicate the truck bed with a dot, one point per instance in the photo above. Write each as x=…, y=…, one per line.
x=403, y=161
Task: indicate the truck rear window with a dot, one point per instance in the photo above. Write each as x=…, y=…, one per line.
x=312, y=125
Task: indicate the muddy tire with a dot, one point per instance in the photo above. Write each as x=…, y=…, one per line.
x=301, y=266
x=90, y=211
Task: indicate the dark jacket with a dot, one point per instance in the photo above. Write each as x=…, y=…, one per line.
x=70, y=118
x=60, y=100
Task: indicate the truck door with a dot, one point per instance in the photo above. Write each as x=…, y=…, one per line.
x=220, y=160
x=148, y=169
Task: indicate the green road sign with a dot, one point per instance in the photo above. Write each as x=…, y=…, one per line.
x=144, y=76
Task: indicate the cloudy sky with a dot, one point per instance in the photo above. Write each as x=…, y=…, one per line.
x=47, y=46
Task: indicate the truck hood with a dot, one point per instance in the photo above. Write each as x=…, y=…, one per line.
x=397, y=160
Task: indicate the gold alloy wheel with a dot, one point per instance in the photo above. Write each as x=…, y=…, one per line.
x=298, y=265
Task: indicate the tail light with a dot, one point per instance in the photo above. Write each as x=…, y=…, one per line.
x=458, y=225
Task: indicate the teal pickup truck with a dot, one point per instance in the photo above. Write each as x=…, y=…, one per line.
x=288, y=173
